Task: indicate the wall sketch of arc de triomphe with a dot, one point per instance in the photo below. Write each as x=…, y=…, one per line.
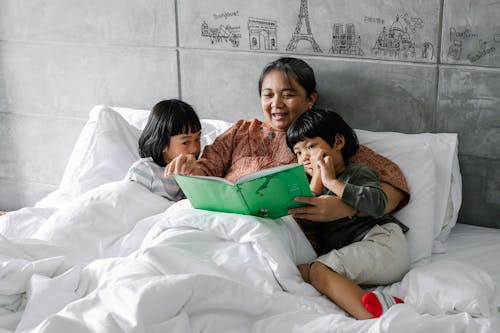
x=262, y=34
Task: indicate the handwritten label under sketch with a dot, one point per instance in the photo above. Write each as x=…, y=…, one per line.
x=374, y=20
x=485, y=47
x=226, y=14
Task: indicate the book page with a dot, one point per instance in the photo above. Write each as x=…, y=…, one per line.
x=265, y=172
x=272, y=194
x=215, y=179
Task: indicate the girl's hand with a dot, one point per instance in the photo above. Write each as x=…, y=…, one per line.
x=183, y=164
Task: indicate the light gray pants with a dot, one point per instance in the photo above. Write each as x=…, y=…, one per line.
x=380, y=258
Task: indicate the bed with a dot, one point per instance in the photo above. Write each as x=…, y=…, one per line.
x=103, y=255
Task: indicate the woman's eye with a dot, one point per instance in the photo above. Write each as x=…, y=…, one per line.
x=298, y=153
x=185, y=143
x=310, y=147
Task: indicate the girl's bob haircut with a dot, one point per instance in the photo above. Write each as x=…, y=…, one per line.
x=168, y=118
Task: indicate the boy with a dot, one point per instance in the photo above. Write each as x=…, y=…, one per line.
x=367, y=248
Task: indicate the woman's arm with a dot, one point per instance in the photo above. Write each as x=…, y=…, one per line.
x=324, y=208
x=394, y=197
x=391, y=177
x=214, y=161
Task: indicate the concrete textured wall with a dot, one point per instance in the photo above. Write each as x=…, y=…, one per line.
x=409, y=66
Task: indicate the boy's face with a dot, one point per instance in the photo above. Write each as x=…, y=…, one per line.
x=311, y=149
x=182, y=144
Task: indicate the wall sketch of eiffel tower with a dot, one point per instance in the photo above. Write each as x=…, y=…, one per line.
x=307, y=36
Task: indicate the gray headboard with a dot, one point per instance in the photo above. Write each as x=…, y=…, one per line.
x=406, y=66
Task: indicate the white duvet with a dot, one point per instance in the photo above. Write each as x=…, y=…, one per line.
x=120, y=259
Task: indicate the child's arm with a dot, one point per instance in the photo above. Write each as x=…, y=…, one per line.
x=362, y=190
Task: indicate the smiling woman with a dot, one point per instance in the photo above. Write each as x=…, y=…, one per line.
x=287, y=89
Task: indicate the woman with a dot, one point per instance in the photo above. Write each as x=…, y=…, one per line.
x=287, y=88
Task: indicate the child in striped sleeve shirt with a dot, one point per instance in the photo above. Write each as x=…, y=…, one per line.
x=172, y=129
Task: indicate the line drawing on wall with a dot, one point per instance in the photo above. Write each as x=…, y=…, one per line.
x=457, y=39
x=225, y=33
x=303, y=19
x=485, y=47
x=262, y=34
x=395, y=41
x=428, y=51
x=414, y=23
x=346, y=42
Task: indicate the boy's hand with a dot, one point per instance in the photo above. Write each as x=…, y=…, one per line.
x=327, y=170
x=316, y=183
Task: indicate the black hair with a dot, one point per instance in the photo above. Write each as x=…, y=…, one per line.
x=325, y=124
x=168, y=118
x=294, y=68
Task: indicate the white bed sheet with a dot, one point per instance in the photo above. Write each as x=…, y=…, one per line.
x=477, y=246
x=120, y=259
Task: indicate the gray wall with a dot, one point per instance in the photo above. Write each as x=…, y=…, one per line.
x=408, y=66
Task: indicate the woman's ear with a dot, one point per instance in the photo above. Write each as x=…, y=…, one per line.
x=312, y=99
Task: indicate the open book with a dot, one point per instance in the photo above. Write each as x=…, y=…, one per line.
x=265, y=193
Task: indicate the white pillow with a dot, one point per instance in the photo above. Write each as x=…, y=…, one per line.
x=426, y=161
x=106, y=148
x=445, y=287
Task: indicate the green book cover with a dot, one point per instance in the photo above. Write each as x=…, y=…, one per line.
x=265, y=193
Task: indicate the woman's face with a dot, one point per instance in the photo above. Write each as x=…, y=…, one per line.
x=283, y=100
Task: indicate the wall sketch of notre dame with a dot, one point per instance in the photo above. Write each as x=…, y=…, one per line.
x=346, y=42
x=262, y=34
x=297, y=35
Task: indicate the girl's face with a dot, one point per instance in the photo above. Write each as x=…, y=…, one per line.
x=182, y=144
x=312, y=148
x=283, y=100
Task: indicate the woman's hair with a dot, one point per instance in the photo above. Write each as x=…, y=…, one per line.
x=168, y=118
x=325, y=124
x=294, y=68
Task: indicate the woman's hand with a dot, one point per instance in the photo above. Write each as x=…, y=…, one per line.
x=324, y=208
x=183, y=164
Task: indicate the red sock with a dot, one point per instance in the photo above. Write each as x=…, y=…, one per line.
x=377, y=302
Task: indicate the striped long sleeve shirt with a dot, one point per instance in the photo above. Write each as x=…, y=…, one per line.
x=149, y=174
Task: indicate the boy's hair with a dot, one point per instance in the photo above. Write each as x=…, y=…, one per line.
x=294, y=68
x=325, y=124
x=168, y=118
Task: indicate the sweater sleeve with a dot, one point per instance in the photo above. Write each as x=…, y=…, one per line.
x=387, y=171
x=363, y=192
x=216, y=157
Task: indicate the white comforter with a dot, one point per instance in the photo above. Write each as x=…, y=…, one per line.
x=120, y=259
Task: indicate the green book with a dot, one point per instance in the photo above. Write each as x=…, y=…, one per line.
x=265, y=193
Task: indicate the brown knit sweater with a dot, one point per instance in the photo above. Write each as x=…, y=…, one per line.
x=249, y=146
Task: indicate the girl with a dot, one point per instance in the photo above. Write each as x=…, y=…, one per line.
x=173, y=128
x=368, y=247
